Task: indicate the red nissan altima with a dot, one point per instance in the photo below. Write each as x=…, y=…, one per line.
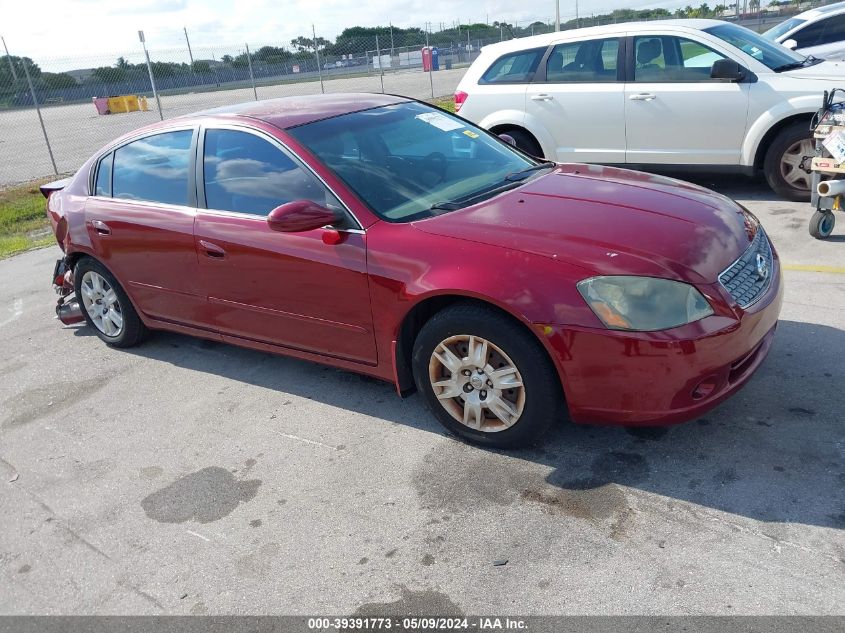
x=380, y=235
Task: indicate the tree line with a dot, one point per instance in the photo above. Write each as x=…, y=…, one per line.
x=356, y=41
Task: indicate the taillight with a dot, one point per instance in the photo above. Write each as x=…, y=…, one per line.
x=460, y=97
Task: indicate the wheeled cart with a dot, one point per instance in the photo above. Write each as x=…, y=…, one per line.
x=828, y=166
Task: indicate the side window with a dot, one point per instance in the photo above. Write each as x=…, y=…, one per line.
x=248, y=174
x=103, y=185
x=154, y=168
x=835, y=29
x=514, y=68
x=672, y=59
x=593, y=60
x=811, y=35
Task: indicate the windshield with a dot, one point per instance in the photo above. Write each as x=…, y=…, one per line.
x=404, y=159
x=784, y=27
x=773, y=55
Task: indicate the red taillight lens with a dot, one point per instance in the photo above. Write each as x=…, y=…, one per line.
x=460, y=97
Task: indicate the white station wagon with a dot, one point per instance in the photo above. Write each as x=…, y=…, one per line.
x=680, y=94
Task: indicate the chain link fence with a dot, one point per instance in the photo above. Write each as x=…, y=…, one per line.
x=55, y=113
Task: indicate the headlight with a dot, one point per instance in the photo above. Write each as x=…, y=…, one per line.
x=643, y=303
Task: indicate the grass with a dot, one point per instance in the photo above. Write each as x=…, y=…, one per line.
x=23, y=219
x=447, y=103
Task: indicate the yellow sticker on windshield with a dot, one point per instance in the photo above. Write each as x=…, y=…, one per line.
x=470, y=134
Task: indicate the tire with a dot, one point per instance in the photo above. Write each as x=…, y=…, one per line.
x=116, y=307
x=782, y=156
x=526, y=143
x=821, y=224
x=465, y=327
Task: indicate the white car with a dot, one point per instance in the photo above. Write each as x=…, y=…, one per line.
x=819, y=32
x=681, y=94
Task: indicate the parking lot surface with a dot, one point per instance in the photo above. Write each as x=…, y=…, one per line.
x=185, y=477
x=76, y=131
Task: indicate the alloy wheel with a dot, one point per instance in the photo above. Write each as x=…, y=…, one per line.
x=477, y=383
x=102, y=304
x=795, y=164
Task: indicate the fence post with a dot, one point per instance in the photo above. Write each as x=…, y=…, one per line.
x=317, y=55
x=251, y=76
x=431, y=66
x=150, y=70
x=380, y=65
x=40, y=120
x=9, y=57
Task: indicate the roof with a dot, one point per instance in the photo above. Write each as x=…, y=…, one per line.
x=597, y=31
x=287, y=112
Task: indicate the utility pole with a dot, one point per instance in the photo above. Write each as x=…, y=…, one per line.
x=150, y=70
x=9, y=57
x=391, y=41
x=190, y=54
x=557, y=15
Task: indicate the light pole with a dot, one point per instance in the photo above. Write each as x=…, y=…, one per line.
x=557, y=15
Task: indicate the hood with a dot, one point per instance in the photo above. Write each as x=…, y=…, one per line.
x=826, y=70
x=610, y=221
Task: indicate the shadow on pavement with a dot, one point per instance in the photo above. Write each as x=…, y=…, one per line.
x=774, y=452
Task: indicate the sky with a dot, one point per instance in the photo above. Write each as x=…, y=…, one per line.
x=64, y=34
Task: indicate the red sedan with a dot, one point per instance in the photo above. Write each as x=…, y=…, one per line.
x=380, y=235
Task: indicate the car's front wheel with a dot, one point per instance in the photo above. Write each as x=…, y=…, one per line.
x=485, y=377
x=787, y=162
x=105, y=305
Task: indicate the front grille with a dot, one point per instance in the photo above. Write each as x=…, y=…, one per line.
x=748, y=278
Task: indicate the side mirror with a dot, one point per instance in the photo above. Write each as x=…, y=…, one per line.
x=507, y=138
x=299, y=216
x=727, y=69
x=790, y=44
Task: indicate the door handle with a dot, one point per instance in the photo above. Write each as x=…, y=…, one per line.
x=212, y=250
x=643, y=96
x=101, y=227
x=541, y=97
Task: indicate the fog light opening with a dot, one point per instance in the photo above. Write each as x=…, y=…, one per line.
x=705, y=388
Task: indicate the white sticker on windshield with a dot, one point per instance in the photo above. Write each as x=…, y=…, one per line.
x=440, y=121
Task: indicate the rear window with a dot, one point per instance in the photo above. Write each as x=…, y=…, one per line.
x=514, y=68
x=103, y=184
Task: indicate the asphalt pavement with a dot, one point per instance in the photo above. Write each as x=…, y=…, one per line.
x=188, y=477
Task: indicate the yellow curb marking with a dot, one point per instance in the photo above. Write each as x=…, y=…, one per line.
x=814, y=269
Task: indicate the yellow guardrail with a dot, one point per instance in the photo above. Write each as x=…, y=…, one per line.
x=120, y=103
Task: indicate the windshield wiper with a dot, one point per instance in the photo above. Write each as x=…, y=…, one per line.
x=510, y=181
x=809, y=60
x=524, y=173
x=445, y=206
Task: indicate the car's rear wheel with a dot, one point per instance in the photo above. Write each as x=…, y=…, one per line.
x=787, y=162
x=485, y=377
x=526, y=142
x=105, y=305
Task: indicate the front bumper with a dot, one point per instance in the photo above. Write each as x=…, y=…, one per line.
x=662, y=378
